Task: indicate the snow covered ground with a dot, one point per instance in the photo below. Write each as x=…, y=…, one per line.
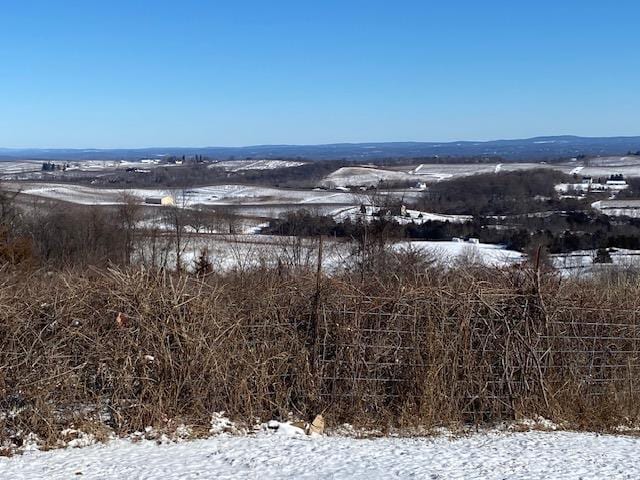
x=19, y=167
x=451, y=252
x=227, y=252
x=411, y=216
x=32, y=169
x=427, y=172
x=603, y=167
x=589, y=187
x=419, y=217
x=240, y=165
x=485, y=456
x=229, y=194
x=365, y=176
x=618, y=208
x=581, y=262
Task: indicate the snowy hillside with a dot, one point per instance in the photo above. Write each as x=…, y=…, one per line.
x=448, y=253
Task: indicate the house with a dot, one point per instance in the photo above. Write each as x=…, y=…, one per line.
x=167, y=200
x=616, y=180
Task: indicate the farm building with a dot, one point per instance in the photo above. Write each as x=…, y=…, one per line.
x=167, y=200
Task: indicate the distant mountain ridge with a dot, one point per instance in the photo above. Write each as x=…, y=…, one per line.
x=537, y=148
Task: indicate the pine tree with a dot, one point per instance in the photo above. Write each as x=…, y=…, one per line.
x=203, y=265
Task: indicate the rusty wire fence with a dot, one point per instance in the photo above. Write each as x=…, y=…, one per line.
x=490, y=356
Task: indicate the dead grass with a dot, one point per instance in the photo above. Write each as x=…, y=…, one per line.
x=125, y=349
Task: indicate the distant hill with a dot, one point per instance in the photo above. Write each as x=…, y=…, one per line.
x=539, y=148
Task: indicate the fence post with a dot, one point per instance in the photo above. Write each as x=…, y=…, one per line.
x=314, y=330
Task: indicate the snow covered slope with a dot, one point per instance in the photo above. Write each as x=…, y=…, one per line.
x=239, y=165
x=229, y=194
x=364, y=176
x=450, y=252
x=411, y=216
x=514, y=456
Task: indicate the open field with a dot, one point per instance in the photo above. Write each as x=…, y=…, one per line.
x=364, y=175
x=20, y=167
x=581, y=262
x=243, y=200
x=8, y=167
x=629, y=166
x=243, y=251
x=422, y=173
x=369, y=213
x=240, y=165
x=246, y=251
x=229, y=195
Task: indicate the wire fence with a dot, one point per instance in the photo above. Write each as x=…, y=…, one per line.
x=493, y=353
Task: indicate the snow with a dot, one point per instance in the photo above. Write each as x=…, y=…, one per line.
x=628, y=166
x=19, y=167
x=580, y=262
x=227, y=194
x=485, y=456
x=240, y=165
x=618, y=208
x=589, y=187
x=245, y=200
x=450, y=252
x=615, y=161
x=364, y=176
x=411, y=216
x=250, y=251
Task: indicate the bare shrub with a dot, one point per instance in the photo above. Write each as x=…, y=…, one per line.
x=131, y=348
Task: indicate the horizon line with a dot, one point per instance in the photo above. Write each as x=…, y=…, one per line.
x=262, y=145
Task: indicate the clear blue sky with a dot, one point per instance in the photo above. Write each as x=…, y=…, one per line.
x=196, y=73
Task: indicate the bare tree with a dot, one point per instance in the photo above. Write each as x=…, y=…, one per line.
x=200, y=218
x=128, y=215
x=177, y=219
x=8, y=208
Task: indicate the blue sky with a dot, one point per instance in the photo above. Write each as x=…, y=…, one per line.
x=197, y=73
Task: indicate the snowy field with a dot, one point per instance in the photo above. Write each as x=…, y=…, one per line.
x=411, y=216
x=365, y=176
x=227, y=252
x=615, y=161
x=8, y=169
x=427, y=173
x=484, y=456
x=32, y=169
x=581, y=262
x=589, y=187
x=603, y=167
x=437, y=172
x=247, y=251
x=240, y=165
x=246, y=200
x=229, y=194
x=450, y=253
